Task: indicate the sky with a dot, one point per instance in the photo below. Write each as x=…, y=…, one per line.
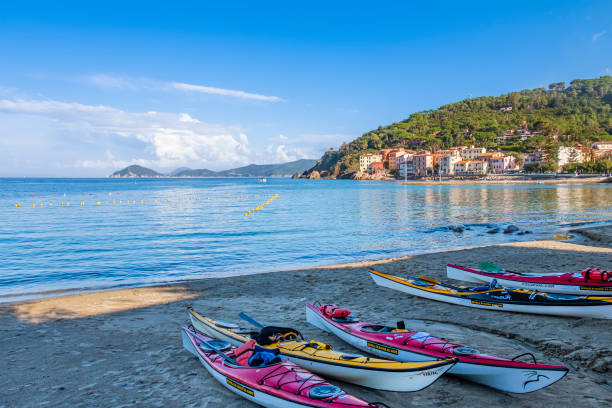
x=87, y=88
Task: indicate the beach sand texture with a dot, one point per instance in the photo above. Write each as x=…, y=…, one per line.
x=123, y=348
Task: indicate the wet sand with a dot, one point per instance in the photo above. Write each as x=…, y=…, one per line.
x=123, y=348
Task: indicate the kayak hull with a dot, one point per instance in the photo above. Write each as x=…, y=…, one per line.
x=544, y=283
x=597, y=310
x=274, y=397
x=497, y=373
x=389, y=379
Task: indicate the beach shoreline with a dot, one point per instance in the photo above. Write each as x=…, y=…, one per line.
x=121, y=347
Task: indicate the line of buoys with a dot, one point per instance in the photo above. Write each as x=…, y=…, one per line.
x=259, y=207
x=143, y=201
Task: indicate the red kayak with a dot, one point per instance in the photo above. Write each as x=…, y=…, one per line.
x=277, y=384
x=401, y=344
x=591, y=281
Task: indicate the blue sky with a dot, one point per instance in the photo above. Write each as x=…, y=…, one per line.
x=88, y=88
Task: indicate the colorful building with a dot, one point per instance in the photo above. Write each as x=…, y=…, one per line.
x=366, y=159
x=422, y=164
x=471, y=167
x=502, y=164
x=376, y=168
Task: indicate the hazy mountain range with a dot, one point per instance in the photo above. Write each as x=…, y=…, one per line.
x=252, y=170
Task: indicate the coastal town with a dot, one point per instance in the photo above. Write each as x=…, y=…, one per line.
x=462, y=161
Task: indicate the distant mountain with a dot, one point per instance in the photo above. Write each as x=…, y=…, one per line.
x=135, y=171
x=197, y=173
x=270, y=170
x=179, y=170
x=252, y=170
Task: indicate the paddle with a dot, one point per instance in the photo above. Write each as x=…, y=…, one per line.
x=216, y=350
x=249, y=319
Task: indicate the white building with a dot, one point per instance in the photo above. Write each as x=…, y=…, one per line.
x=472, y=153
x=447, y=163
x=471, y=167
x=569, y=155
x=406, y=169
x=602, y=145
x=365, y=160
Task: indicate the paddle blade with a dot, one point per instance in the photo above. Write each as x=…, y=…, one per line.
x=249, y=319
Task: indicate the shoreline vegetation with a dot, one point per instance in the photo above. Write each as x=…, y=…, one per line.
x=121, y=347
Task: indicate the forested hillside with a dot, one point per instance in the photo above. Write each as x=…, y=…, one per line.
x=579, y=113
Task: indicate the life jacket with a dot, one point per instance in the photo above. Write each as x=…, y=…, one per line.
x=243, y=353
x=280, y=333
x=596, y=274
x=262, y=357
x=334, y=311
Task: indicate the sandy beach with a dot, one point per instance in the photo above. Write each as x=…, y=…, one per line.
x=122, y=347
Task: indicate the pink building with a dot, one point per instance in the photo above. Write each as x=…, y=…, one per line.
x=392, y=158
x=502, y=164
x=422, y=164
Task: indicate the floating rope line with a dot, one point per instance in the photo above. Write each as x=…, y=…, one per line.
x=259, y=207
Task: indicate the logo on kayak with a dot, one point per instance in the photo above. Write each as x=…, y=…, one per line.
x=483, y=303
x=533, y=377
x=382, y=348
x=428, y=373
x=240, y=387
x=608, y=289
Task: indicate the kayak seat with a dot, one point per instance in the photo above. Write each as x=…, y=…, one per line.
x=347, y=319
x=377, y=329
x=217, y=344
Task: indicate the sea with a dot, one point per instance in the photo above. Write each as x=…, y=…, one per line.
x=65, y=235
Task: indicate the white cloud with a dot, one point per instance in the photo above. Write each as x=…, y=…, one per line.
x=279, y=154
x=102, y=137
x=598, y=35
x=111, y=82
x=106, y=81
x=226, y=92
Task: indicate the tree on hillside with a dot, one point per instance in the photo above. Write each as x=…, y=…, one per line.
x=557, y=86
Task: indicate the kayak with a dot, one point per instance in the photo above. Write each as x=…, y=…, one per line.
x=277, y=385
x=381, y=374
x=401, y=344
x=588, y=282
x=496, y=298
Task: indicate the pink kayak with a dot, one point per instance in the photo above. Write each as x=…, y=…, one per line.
x=591, y=281
x=406, y=345
x=278, y=385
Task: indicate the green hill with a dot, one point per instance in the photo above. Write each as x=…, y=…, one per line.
x=135, y=171
x=579, y=113
x=270, y=170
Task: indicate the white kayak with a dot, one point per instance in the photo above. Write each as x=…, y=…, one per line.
x=504, y=374
x=569, y=283
x=509, y=300
x=377, y=373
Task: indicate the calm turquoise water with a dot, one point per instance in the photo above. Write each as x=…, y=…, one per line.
x=310, y=223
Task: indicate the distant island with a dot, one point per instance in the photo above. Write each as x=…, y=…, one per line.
x=293, y=168
x=534, y=129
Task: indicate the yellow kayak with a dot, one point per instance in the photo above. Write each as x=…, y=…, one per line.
x=322, y=359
